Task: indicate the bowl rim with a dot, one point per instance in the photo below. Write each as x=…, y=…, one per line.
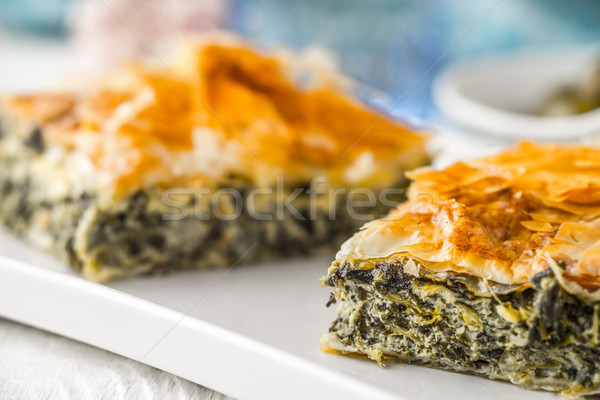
x=467, y=112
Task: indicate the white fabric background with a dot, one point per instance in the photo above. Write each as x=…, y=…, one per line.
x=39, y=365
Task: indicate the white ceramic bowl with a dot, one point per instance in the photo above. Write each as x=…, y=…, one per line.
x=498, y=95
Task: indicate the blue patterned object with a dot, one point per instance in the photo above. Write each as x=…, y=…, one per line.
x=377, y=41
x=399, y=46
x=516, y=24
x=40, y=16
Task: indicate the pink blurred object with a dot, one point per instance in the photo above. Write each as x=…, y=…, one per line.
x=106, y=31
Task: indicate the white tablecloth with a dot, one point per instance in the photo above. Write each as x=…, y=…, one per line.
x=39, y=365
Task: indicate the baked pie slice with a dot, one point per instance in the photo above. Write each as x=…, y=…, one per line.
x=201, y=163
x=491, y=267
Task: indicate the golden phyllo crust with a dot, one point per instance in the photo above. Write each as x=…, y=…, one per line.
x=502, y=218
x=223, y=108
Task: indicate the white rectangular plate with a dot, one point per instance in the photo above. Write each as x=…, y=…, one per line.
x=251, y=333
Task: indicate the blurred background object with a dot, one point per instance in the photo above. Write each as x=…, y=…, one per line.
x=107, y=31
x=382, y=43
x=396, y=46
x=502, y=95
x=575, y=98
x=44, y=17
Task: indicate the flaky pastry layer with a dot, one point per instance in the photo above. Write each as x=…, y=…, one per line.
x=502, y=218
x=220, y=109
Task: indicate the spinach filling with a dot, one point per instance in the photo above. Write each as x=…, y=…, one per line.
x=129, y=235
x=539, y=337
